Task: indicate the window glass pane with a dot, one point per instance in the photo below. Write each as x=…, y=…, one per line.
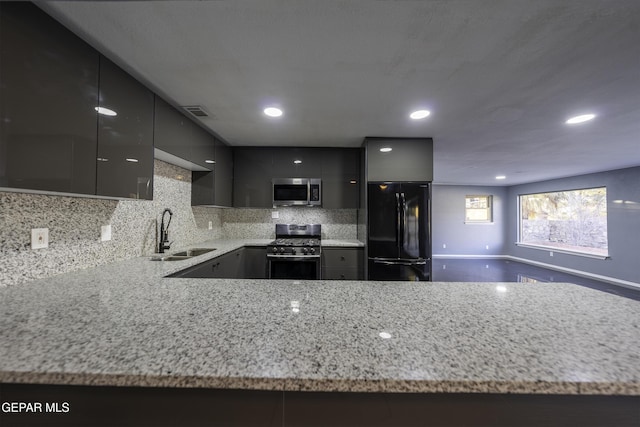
x=574, y=220
x=478, y=209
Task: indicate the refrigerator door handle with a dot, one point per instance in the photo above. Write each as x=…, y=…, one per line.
x=403, y=207
x=399, y=261
x=398, y=223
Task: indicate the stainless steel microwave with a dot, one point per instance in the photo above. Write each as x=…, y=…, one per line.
x=297, y=192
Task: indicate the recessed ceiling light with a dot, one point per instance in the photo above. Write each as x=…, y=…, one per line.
x=420, y=114
x=105, y=111
x=297, y=162
x=132, y=160
x=386, y=149
x=580, y=119
x=273, y=112
x=210, y=161
x=501, y=177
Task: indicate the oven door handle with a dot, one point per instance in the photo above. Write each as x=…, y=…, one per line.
x=293, y=257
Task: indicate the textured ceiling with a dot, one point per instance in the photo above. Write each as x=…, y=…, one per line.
x=500, y=77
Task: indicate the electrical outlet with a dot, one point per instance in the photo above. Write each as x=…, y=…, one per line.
x=486, y=247
x=275, y=214
x=210, y=225
x=551, y=253
x=39, y=238
x=105, y=233
x=444, y=246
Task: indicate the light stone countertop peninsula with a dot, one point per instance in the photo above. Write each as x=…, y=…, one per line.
x=125, y=324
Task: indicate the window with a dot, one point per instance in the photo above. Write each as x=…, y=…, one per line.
x=571, y=221
x=478, y=209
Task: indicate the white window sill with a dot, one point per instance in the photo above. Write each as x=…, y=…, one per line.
x=561, y=251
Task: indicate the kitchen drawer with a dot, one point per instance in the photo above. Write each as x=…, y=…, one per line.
x=342, y=263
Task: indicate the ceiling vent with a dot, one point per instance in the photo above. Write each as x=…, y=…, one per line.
x=196, y=110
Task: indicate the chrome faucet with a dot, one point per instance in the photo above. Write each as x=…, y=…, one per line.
x=164, y=232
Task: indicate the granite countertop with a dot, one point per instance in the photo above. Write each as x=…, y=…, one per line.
x=125, y=324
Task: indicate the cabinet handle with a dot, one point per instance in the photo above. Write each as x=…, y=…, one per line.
x=341, y=258
x=342, y=276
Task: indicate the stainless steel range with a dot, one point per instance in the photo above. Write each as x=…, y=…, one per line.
x=295, y=254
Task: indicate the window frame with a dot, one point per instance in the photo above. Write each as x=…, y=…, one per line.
x=488, y=209
x=552, y=248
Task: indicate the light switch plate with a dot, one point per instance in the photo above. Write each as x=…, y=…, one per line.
x=105, y=233
x=39, y=238
x=210, y=225
x=275, y=214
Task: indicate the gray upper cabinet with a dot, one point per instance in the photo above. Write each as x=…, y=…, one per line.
x=48, y=96
x=254, y=168
x=340, y=178
x=252, y=173
x=214, y=187
x=125, y=135
x=178, y=135
x=296, y=163
x=170, y=129
x=223, y=175
x=410, y=159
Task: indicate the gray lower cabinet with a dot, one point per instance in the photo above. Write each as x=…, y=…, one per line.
x=343, y=263
x=244, y=263
x=255, y=262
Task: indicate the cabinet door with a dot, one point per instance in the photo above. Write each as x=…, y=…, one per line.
x=223, y=175
x=252, y=178
x=255, y=263
x=410, y=159
x=48, y=95
x=171, y=130
x=125, y=135
x=342, y=264
x=340, y=178
x=291, y=162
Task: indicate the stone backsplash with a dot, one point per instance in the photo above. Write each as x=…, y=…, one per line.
x=75, y=222
x=74, y=226
x=258, y=223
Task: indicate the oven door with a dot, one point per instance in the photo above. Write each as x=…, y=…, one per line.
x=294, y=267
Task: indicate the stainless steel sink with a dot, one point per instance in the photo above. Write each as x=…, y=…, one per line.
x=194, y=252
x=179, y=256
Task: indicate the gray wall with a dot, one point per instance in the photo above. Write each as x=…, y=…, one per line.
x=623, y=223
x=447, y=221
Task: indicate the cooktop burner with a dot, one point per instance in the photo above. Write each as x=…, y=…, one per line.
x=295, y=242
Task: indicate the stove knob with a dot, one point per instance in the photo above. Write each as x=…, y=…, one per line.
x=293, y=251
x=312, y=250
x=304, y=251
x=274, y=250
x=281, y=250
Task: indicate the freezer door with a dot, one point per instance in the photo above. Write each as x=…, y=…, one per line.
x=415, y=224
x=383, y=238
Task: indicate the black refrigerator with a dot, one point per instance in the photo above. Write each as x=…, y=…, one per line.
x=399, y=231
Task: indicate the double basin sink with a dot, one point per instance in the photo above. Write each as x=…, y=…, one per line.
x=179, y=256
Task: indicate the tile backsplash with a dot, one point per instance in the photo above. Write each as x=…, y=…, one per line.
x=75, y=222
x=258, y=223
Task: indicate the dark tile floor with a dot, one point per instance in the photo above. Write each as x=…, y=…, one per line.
x=501, y=270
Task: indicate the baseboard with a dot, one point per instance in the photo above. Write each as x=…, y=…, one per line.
x=599, y=277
